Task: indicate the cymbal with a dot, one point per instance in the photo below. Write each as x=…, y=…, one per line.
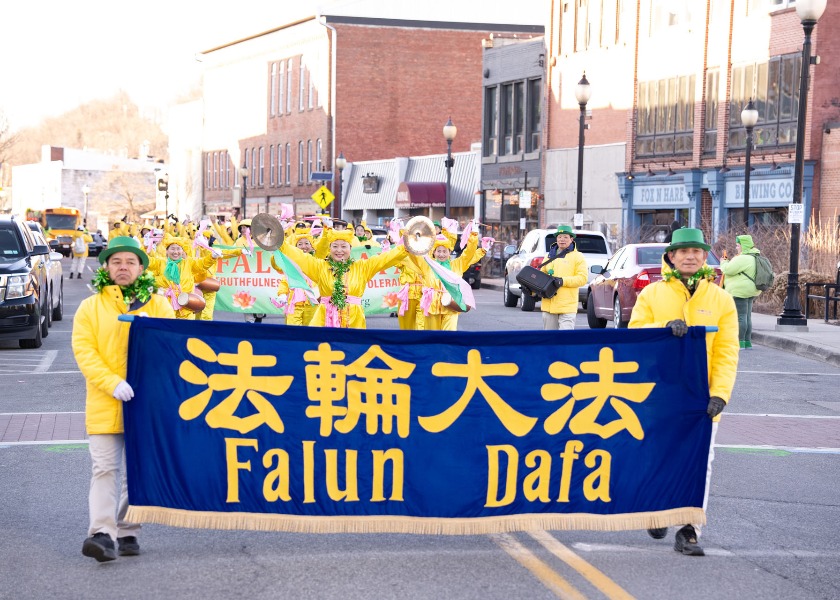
x=419, y=235
x=267, y=232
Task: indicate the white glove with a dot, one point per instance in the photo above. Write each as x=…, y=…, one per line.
x=246, y=251
x=282, y=298
x=216, y=253
x=123, y=392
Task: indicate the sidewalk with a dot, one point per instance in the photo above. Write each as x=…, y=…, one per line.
x=820, y=342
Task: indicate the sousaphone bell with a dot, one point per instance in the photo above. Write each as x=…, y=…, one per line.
x=267, y=232
x=419, y=235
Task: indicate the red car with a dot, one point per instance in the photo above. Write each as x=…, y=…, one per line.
x=612, y=295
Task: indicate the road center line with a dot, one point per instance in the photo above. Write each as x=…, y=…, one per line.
x=547, y=576
x=597, y=578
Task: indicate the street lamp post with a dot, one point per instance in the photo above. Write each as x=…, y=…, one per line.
x=809, y=12
x=582, y=94
x=340, y=163
x=163, y=185
x=86, y=191
x=749, y=117
x=449, y=133
x=243, y=172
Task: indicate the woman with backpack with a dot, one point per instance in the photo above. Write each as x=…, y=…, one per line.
x=79, y=250
x=740, y=281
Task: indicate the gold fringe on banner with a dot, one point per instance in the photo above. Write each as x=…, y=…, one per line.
x=176, y=517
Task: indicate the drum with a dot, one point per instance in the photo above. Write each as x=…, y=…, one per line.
x=192, y=302
x=209, y=285
x=447, y=301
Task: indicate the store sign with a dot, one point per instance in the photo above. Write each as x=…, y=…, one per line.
x=764, y=192
x=524, y=199
x=661, y=196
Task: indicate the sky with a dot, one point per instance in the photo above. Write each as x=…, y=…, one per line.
x=58, y=54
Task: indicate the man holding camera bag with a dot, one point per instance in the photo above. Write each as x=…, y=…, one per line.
x=568, y=267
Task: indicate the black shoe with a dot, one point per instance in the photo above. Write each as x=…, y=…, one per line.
x=685, y=542
x=99, y=546
x=128, y=546
x=658, y=533
x=71, y=275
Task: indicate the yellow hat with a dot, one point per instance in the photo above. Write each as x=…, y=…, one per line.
x=442, y=240
x=304, y=235
x=345, y=235
x=185, y=244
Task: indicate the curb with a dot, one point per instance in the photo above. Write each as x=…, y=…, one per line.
x=772, y=341
x=796, y=347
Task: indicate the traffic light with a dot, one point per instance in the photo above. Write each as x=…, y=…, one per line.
x=163, y=185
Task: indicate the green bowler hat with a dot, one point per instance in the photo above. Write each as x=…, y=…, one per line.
x=565, y=229
x=124, y=243
x=687, y=237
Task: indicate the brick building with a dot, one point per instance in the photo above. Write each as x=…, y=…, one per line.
x=376, y=81
x=669, y=80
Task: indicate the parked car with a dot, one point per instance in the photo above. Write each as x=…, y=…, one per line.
x=25, y=293
x=98, y=244
x=55, y=274
x=533, y=251
x=613, y=292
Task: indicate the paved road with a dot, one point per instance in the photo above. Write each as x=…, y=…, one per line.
x=773, y=501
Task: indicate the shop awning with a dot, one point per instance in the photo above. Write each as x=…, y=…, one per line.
x=421, y=195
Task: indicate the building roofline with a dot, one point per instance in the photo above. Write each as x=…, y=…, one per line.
x=258, y=35
x=507, y=27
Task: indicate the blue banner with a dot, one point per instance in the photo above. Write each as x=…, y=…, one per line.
x=282, y=428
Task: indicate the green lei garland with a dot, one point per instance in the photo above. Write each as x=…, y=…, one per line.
x=141, y=289
x=339, y=295
x=705, y=272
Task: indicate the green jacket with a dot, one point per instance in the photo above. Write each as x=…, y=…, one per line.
x=737, y=273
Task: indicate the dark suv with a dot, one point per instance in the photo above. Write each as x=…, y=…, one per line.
x=25, y=304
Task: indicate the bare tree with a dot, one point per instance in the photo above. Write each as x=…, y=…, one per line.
x=119, y=194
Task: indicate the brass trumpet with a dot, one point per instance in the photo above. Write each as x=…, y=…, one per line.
x=267, y=232
x=419, y=235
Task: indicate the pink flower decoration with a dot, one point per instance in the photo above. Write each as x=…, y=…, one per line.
x=243, y=300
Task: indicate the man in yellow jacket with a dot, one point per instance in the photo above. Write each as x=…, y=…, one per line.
x=568, y=267
x=79, y=250
x=687, y=296
x=100, y=345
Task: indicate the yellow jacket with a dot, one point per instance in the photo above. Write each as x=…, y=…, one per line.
x=356, y=279
x=100, y=345
x=666, y=301
x=86, y=237
x=572, y=268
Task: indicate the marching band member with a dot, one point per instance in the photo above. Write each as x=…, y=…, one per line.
x=176, y=273
x=340, y=279
x=299, y=310
x=437, y=316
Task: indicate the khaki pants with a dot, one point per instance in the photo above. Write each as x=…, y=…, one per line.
x=108, y=498
x=555, y=321
x=78, y=264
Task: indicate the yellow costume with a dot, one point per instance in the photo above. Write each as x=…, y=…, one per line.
x=355, y=280
x=188, y=268
x=438, y=316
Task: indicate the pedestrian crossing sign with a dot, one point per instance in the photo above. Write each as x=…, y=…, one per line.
x=323, y=196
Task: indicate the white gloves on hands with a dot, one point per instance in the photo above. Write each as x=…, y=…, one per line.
x=123, y=392
x=246, y=251
x=216, y=253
